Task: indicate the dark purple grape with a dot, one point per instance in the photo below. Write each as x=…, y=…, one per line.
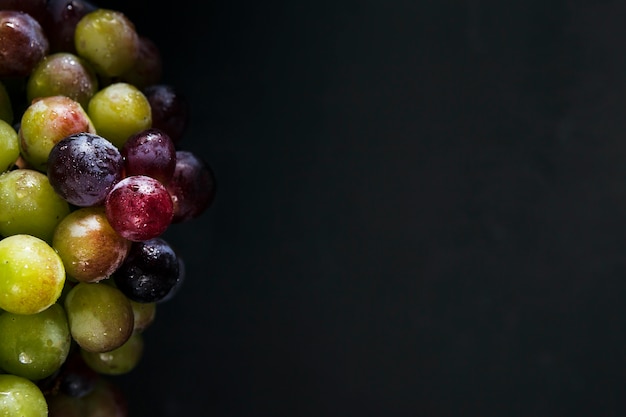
x=170, y=110
x=83, y=168
x=139, y=208
x=23, y=43
x=150, y=271
x=150, y=152
x=192, y=187
x=182, y=273
x=148, y=68
x=35, y=8
x=63, y=15
x=77, y=379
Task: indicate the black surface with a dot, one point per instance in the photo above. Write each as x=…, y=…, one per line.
x=421, y=211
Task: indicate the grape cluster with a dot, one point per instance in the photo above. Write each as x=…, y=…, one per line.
x=92, y=173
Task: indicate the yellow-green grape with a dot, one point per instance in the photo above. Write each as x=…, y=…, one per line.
x=100, y=316
x=9, y=145
x=118, y=111
x=144, y=313
x=21, y=397
x=89, y=247
x=117, y=361
x=31, y=274
x=45, y=122
x=107, y=39
x=29, y=204
x=6, y=109
x=34, y=345
x=63, y=74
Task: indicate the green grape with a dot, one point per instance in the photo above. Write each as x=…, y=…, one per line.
x=118, y=111
x=9, y=145
x=34, y=346
x=45, y=122
x=107, y=39
x=29, y=204
x=21, y=397
x=65, y=74
x=117, y=361
x=100, y=316
x=6, y=109
x=31, y=274
x=144, y=314
x=89, y=247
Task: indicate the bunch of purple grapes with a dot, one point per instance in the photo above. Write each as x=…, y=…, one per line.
x=92, y=173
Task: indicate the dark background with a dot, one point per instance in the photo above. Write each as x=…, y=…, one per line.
x=421, y=210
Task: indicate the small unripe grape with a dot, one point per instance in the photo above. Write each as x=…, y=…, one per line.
x=9, y=146
x=117, y=361
x=21, y=397
x=144, y=313
x=89, y=247
x=63, y=74
x=100, y=316
x=31, y=274
x=34, y=345
x=107, y=39
x=118, y=111
x=45, y=122
x=29, y=204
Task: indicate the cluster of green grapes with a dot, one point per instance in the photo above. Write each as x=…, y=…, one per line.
x=92, y=173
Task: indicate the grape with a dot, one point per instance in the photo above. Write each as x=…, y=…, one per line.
x=139, y=208
x=107, y=39
x=91, y=175
x=192, y=186
x=31, y=274
x=150, y=152
x=170, y=110
x=104, y=400
x=63, y=16
x=9, y=146
x=29, y=204
x=118, y=111
x=63, y=74
x=89, y=247
x=6, y=108
x=34, y=345
x=76, y=379
x=117, y=361
x=23, y=44
x=148, y=67
x=144, y=314
x=149, y=272
x=83, y=168
x=47, y=121
x=100, y=316
x=21, y=397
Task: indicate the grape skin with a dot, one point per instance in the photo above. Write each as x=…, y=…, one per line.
x=23, y=45
x=139, y=208
x=20, y=396
x=31, y=274
x=83, y=168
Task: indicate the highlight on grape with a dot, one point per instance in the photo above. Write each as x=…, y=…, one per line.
x=93, y=171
